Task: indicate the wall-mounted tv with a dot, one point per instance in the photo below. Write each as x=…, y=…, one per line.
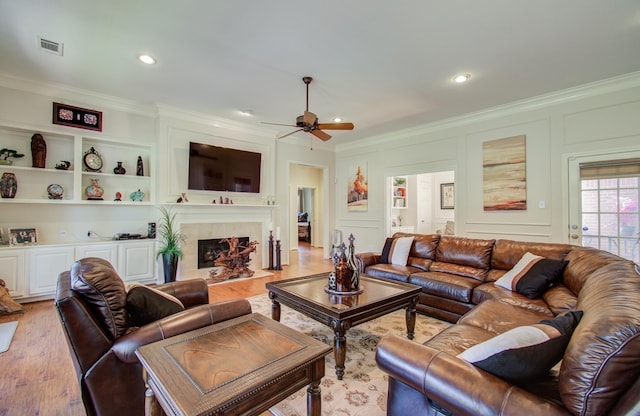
x=215, y=168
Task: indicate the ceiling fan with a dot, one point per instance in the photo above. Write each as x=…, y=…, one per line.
x=309, y=122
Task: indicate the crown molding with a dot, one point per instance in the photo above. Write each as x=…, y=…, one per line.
x=75, y=96
x=594, y=89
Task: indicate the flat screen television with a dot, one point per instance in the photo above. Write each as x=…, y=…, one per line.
x=215, y=168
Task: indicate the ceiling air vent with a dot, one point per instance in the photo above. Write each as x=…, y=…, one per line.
x=50, y=46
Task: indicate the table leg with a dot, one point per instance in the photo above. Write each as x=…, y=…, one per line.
x=275, y=307
x=314, y=401
x=151, y=405
x=410, y=317
x=339, y=345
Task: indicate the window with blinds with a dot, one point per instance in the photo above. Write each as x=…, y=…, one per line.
x=610, y=218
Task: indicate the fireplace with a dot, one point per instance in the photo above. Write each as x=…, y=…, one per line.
x=209, y=249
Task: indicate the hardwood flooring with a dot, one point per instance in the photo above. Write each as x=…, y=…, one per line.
x=37, y=375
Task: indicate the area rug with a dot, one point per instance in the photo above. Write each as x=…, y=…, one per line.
x=6, y=334
x=363, y=389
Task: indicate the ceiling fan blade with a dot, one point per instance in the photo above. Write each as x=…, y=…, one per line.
x=320, y=135
x=309, y=118
x=289, y=134
x=335, y=126
x=278, y=124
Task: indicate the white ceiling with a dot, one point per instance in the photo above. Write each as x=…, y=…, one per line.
x=383, y=65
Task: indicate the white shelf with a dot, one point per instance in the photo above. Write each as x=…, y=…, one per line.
x=33, y=182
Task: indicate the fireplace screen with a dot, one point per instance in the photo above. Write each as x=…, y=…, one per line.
x=208, y=250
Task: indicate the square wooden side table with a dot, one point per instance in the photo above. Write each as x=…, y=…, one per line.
x=241, y=366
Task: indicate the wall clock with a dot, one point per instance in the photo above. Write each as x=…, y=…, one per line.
x=92, y=161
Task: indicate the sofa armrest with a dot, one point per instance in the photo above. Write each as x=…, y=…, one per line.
x=454, y=383
x=191, y=292
x=365, y=260
x=200, y=316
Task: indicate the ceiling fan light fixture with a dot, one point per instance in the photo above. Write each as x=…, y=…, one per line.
x=461, y=78
x=337, y=119
x=146, y=59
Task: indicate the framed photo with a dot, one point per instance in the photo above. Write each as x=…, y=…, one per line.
x=83, y=118
x=446, y=196
x=23, y=236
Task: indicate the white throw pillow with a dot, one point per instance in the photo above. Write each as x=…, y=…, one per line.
x=400, y=251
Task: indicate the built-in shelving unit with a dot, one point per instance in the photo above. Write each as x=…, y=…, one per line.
x=33, y=182
x=399, y=192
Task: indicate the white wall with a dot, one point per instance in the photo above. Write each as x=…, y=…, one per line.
x=596, y=118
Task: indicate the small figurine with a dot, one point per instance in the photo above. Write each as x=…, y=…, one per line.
x=63, y=165
x=139, y=167
x=118, y=196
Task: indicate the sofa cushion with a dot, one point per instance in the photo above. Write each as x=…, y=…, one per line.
x=506, y=253
x=146, y=304
x=396, y=250
x=391, y=272
x=532, y=275
x=447, y=285
x=463, y=256
x=489, y=290
x=526, y=352
x=99, y=285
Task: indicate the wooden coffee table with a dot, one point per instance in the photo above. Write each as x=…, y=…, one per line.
x=240, y=366
x=379, y=297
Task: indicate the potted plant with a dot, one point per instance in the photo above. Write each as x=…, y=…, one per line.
x=170, y=240
x=5, y=154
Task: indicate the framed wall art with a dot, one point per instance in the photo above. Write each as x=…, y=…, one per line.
x=23, y=236
x=447, y=200
x=504, y=174
x=357, y=188
x=68, y=115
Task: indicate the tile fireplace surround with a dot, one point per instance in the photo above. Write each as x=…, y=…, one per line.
x=202, y=223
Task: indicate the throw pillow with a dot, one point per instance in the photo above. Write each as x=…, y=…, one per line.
x=146, y=304
x=532, y=275
x=527, y=352
x=396, y=250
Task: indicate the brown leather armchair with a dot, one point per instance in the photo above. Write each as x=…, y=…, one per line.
x=91, y=303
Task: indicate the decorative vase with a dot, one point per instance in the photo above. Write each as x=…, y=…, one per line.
x=140, y=167
x=170, y=266
x=38, y=150
x=119, y=170
x=137, y=196
x=8, y=185
x=94, y=191
x=343, y=272
x=355, y=270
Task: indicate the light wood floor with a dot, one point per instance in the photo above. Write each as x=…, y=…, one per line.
x=37, y=375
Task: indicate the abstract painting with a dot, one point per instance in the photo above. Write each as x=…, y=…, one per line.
x=357, y=189
x=504, y=174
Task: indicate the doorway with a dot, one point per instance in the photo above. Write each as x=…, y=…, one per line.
x=415, y=204
x=603, y=203
x=307, y=205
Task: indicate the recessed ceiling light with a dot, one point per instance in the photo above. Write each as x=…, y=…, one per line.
x=462, y=78
x=337, y=119
x=247, y=113
x=146, y=59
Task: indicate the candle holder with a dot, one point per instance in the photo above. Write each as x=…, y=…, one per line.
x=271, y=250
x=278, y=256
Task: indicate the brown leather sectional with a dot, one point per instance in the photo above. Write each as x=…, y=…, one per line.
x=600, y=371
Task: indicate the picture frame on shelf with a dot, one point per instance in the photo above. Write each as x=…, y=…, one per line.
x=447, y=200
x=23, y=236
x=83, y=118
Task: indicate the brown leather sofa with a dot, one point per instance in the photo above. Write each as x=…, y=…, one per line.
x=103, y=344
x=599, y=373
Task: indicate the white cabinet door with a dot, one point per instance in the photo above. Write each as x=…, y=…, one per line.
x=44, y=266
x=108, y=252
x=12, y=265
x=136, y=261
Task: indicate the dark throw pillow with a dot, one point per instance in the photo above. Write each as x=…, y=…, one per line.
x=526, y=352
x=532, y=275
x=146, y=304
